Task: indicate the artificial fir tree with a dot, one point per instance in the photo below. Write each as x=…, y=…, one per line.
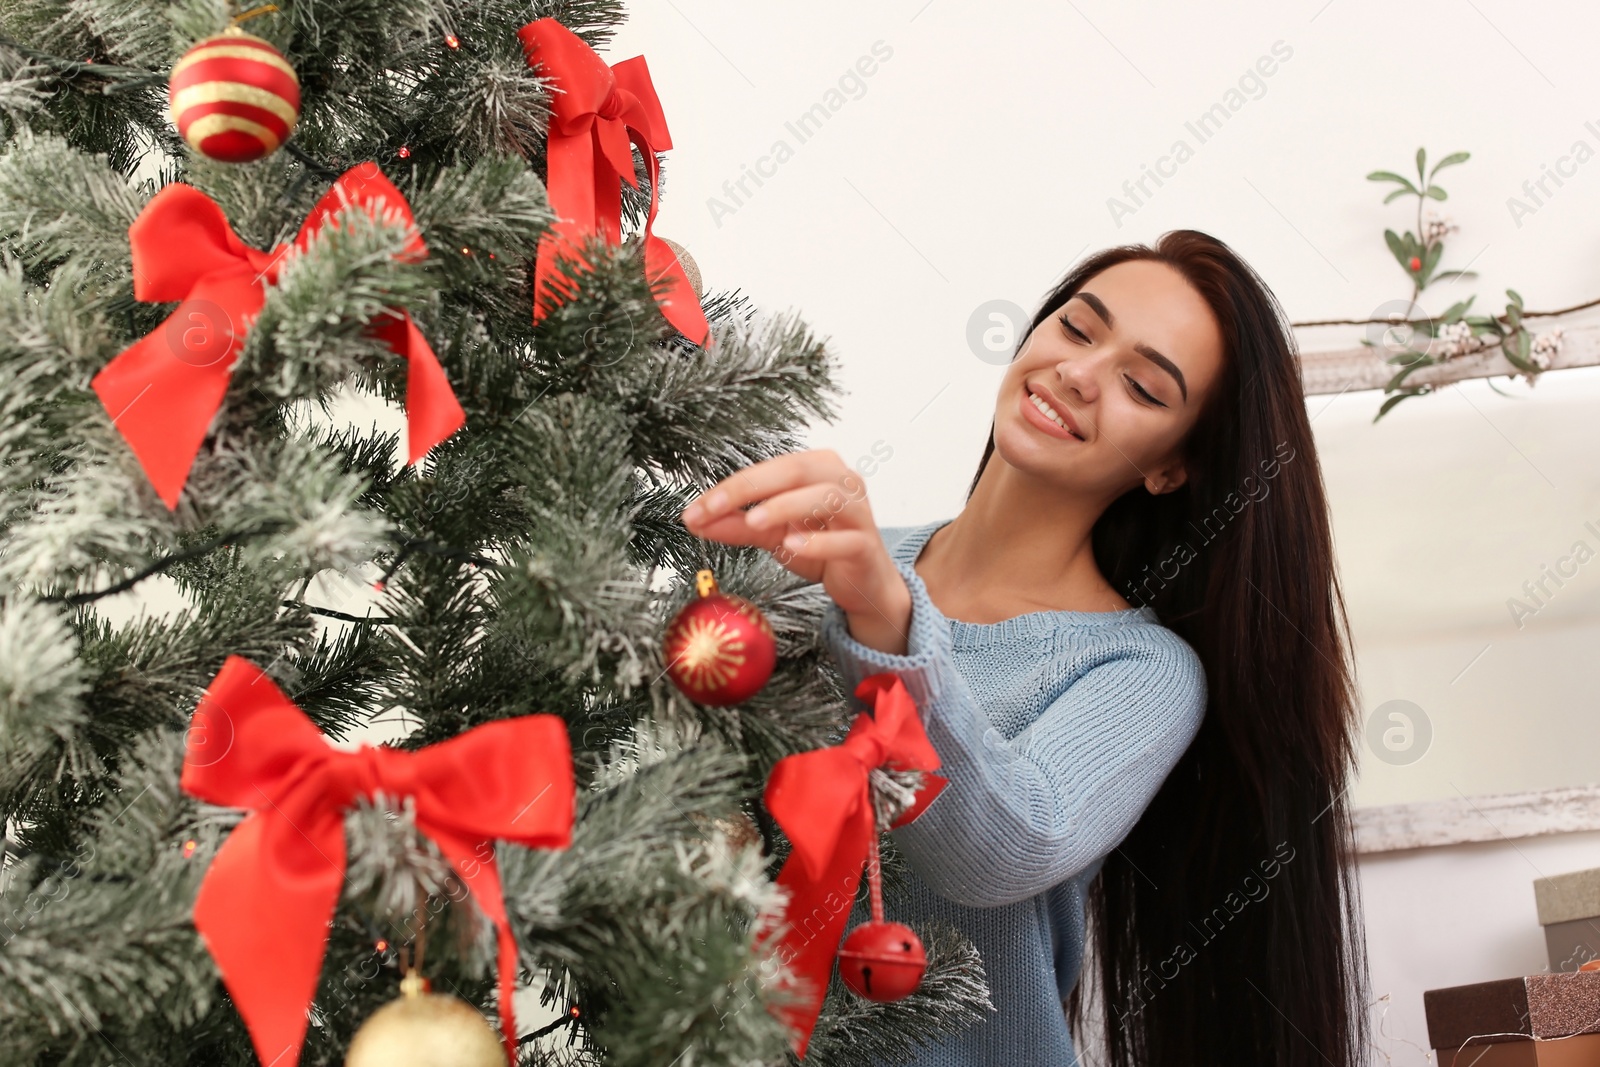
x=528, y=564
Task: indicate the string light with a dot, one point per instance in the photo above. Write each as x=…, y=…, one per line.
x=404, y=153
x=452, y=41
x=554, y=1024
x=382, y=945
x=188, y=848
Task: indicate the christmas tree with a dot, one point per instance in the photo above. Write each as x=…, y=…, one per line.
x=526, y=563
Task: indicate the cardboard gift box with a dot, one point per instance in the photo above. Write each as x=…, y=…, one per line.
x=1582, y=1050
x=1533, y=1009
x=1569, y=911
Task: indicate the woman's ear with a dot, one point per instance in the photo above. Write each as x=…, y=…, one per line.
x=1166, y=479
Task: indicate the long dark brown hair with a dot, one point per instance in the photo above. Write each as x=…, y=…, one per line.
x=1226, y=928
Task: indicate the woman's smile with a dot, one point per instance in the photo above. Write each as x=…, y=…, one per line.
x=1037, y=410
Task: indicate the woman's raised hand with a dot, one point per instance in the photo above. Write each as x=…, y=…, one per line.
x=811, y=513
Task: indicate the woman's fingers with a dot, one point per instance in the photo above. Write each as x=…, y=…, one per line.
x=800, y=499
x=761, y=480
x=811, y=507
x=828, y=545
x=735, y=529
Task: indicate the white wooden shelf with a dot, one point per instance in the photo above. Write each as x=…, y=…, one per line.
x=1496, y=817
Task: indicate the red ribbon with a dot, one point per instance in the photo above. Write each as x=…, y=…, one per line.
x=823, y=801
x=266, y=903
x=163, y=390
x=595, y=112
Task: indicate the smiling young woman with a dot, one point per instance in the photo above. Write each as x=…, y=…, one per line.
x=1125, y=778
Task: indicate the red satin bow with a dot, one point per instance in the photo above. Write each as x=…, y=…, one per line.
x=823, y=801
x=596, y=111
x=163, y=390
x=266, y=902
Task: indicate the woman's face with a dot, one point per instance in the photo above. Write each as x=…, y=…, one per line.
x=1127, y=364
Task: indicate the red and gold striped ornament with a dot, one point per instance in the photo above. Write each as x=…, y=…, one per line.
x=234, y=97
x=719, y=648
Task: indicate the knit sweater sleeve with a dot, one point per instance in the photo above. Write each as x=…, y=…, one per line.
x=1024, y=814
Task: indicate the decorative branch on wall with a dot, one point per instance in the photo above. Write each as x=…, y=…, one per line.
x=1353, y=369
x=1408, y=352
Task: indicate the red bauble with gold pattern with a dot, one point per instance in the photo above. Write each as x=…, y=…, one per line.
x=719, y=648
x=882, y=961
x=234, y=97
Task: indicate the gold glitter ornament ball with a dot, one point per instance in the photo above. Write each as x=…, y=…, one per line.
x=422, y=1029
x=691, y=269
x=234, y=97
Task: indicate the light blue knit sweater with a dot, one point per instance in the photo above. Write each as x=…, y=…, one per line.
x=1055, y=729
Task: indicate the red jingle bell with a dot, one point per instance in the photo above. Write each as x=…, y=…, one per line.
x=879, y=960
x=719, y=648
x=882, y=961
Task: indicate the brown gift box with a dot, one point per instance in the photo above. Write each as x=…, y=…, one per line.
x=1540, y=1006
x=1580, y=1051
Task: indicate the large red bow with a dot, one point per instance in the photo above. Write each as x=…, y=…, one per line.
x=163, y=390
x=823, y=801
x=266, y=902
x=596, y=111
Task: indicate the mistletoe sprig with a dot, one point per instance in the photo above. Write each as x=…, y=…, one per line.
x=1419, y=255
